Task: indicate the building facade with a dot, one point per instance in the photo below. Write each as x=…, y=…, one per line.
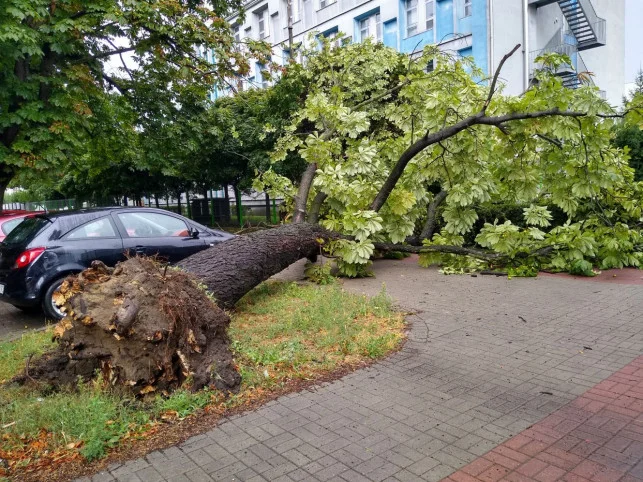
x=590, y=32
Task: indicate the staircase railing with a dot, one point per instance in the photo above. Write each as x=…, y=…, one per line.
x=596, y=23
x=560, y=44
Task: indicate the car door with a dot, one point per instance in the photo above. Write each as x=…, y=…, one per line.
x=158, y=234
x=97, y=239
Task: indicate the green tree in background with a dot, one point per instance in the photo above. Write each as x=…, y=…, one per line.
x=628, y=135
x=53, y=68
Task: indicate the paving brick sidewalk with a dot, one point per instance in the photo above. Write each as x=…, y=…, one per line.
x=486, y=358
x=597, y=437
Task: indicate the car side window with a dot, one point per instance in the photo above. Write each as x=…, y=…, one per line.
x=100, y=228
x=9, y=225
x=151, y=225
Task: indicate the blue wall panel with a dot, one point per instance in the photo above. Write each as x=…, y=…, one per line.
x=479, y=28
x=390, y=34
x=444, y=19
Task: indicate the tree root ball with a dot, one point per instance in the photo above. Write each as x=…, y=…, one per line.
x=143, y=326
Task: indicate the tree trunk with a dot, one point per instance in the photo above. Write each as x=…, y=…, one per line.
x=429, y=225
x=301, y=199
x=6, y=175
x=233, y=268
x=268, y=213
x=3, y=189
x=237, y=196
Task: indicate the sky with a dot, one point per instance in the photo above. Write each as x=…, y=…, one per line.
x=633, y=38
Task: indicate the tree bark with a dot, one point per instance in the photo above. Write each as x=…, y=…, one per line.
x=429, y=225
x=233, y=268
x=319, y=199
x=301, y=199
x=6, y=175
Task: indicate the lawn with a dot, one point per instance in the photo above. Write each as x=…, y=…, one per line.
x=281, y=333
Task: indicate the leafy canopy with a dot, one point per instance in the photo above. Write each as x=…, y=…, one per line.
x=53, y=68
x=380, y=129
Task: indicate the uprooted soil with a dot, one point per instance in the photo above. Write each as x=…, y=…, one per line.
x=143, y=327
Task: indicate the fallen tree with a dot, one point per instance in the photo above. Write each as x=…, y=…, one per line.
x=150, y=328
x=373, y=150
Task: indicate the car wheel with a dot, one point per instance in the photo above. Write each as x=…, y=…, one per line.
x=48, y=306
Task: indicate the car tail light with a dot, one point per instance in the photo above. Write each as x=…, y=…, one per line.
x=27, y=257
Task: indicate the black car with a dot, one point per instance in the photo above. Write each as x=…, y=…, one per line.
x=42, y=250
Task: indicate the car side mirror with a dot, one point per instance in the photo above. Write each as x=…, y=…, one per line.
x=194, y=233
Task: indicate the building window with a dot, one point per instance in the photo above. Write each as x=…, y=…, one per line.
x=276, y=33
x=468, y=8
x=262, y=23
x=334, y=38
x=236, y=33
x=307, y=15
x=325, y=3
x=411, y=17
x=429, y=5
x=371, y=26
x=263, y=76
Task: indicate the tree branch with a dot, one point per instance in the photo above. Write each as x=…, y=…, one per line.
x=429, y=226
x=460, y=250
x=109, y=53
x=428, y=140
x=473, y=252
x=551, y=140
x=492, y=88
x=113, y=82
x=382, y=95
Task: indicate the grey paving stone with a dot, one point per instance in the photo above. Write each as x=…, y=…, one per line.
x=103, y=477
x=149, y=474
x=438, y=473
x=198, y=475
x=128, y=478
x=422, y=466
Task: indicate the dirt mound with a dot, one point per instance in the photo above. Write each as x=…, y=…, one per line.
x=143, y=326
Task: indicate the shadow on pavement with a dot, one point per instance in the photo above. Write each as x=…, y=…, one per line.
x=14, y=322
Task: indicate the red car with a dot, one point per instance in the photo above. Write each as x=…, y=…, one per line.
x=11, y=219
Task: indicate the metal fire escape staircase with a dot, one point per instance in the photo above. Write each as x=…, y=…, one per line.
x=586, y=31
x=561, y=44
x=588, y=28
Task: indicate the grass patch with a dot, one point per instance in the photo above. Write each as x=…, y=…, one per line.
x=279, y=332
x=14, y=354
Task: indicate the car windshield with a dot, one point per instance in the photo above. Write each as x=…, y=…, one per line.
x=25, y=231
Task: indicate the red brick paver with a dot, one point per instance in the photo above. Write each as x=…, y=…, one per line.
x=597, y=437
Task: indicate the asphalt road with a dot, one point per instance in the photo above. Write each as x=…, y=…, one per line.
x=14, y=322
